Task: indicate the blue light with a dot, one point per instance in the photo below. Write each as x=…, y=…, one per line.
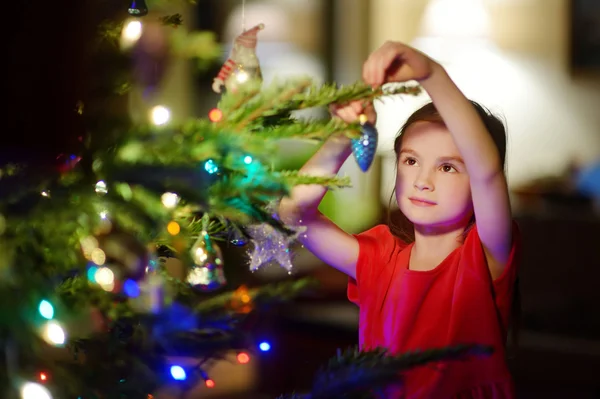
x=264, y=346
x=91, y=273
x=46, y=310
x=247, y=159
x=131, y=288
x=211, y=167
x=178, y=373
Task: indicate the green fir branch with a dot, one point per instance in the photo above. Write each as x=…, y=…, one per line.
x=311, y=130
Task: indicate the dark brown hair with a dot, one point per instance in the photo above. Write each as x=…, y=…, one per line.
x=403, y=228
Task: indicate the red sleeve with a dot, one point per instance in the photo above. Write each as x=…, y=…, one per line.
x=503, y=286
x=374, y=245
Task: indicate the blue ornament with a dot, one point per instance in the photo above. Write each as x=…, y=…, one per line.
x=364, y=148
x=138, y=8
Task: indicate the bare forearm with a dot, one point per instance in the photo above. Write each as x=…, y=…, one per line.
x=304, y=199
x=474, y=142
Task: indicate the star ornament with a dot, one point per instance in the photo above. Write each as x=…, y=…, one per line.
x=270, y=245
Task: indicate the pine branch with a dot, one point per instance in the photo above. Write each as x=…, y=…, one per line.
x=266, y=100
x=312, y=130
x=293, y=178
x=356, y=372
x=317, y=96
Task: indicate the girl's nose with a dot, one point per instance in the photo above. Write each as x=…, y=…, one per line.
x=424, y=182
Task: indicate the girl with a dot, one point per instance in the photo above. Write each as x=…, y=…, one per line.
x=452, y=280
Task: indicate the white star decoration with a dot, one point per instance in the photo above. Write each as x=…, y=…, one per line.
x=270, y=245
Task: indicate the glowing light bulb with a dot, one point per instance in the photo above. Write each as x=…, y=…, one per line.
x=54, y=333
x=211, y=166
x=160, y=115
x=215, y=115
x=169, y=200
x=243, y=358
x=32, y=390
x=46, y=310
x=265, y=346
x=178, y=373
x=105, y=278
x=132, y=31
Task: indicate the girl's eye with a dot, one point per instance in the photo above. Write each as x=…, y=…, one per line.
x=410, y=161
x=448, y=168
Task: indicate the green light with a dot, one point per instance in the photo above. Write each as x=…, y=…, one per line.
x=46, y=310
x=247, y=159
x=211, y=166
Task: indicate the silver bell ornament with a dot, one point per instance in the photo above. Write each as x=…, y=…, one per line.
x=242, y=67
x=206, y=274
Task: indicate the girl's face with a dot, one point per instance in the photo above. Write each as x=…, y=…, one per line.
x=432, y=184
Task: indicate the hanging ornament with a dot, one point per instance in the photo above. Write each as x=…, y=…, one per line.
x=364, y=147
x=117, y=256
x=269, y=245
x=207, y=272
x=242, y=66
x=237, y=238
x=138, y=8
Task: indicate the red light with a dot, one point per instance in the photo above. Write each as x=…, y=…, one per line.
x=215, y=115
x=243, y=358
x=43, y=377
x=210, y=383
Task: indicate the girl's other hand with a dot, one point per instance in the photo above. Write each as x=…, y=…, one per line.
x=350, y=112
x=397, y=62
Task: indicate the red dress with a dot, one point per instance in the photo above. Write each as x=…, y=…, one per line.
x=455, y=303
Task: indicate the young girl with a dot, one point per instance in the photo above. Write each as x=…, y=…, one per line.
x=452, y=281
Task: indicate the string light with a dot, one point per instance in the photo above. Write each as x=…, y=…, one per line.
x=211, y=166
x=46, y=310
x=160, y=115
x=215, y=115
x=131, y=33
x=264, y=346
x=169, y=200
x=243, y=358
x=178, y=373
x=32, y=390
x=54, y=333
x=173, y=228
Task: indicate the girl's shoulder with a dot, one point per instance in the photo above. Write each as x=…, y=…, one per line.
x=379, y=241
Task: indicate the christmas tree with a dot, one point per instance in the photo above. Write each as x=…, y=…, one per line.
x=84, y=243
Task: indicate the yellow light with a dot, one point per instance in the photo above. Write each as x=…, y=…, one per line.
x=98, y=256
x=31, y=390
x=173, y=228
x=131, y=33
x=54, y=333
x=169, y=200
x=160, y=115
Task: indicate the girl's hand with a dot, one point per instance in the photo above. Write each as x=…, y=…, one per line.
x=350, y=112
x=397, y=62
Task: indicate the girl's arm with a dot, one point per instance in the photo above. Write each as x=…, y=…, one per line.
x=323, y=238
x=395, y=62
x=489, y=189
